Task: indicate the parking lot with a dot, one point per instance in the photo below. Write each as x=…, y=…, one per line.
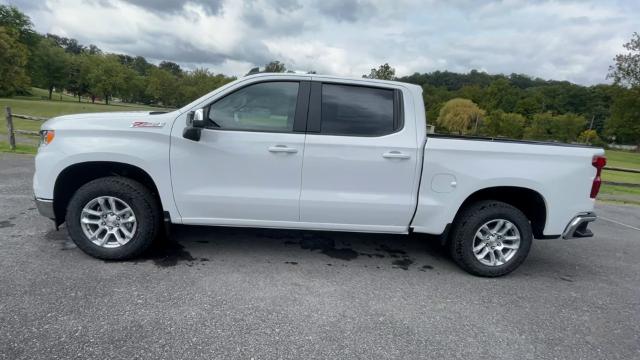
x=270, y=294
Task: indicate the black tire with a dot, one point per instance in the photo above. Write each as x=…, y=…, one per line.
x=469, y=221
x=137, y=196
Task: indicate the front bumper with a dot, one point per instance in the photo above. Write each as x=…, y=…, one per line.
x=577, y=228
x=45, y=208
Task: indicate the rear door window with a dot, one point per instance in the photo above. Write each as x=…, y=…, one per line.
x=356, y=110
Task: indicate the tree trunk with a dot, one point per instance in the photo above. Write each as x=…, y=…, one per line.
x=93, y=99
x=50, y=91
x=106, y=99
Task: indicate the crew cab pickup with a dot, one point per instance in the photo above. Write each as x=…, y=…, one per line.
x=314, y=153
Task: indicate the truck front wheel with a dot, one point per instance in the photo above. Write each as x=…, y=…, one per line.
x=490, y=238
x=113, y=218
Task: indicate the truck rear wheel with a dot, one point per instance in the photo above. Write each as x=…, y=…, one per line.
x=113, y=218
x=490, y=238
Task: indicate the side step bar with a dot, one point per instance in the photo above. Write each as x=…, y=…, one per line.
x=577, y=228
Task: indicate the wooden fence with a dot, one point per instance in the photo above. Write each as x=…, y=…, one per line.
x=12, y=131
x=637, y=171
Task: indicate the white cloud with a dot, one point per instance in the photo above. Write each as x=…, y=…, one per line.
x=566, y=40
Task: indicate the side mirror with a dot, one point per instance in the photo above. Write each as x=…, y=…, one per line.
x=195, y=124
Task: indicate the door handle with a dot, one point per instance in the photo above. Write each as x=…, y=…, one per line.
x=282, y=148
x=395, y=155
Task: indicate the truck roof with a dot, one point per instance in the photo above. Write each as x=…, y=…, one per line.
x=333, y=77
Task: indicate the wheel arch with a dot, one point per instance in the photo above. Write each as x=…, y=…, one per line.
x=527, y=200
x=74, y=176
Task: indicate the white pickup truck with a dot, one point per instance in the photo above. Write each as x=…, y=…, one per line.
x=310, y=152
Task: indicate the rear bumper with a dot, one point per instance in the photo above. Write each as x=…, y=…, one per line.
x=577, y=227
x=45, y=208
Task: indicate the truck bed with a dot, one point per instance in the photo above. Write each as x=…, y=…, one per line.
x=456, y=167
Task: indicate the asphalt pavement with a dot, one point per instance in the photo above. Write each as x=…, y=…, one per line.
x=275, y=294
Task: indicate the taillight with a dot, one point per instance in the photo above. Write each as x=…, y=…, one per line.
x=598, y=162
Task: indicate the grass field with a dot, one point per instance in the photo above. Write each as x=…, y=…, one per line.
x=20, y=148
x=51, y=108
x=625, y=159
x=37, y=104
x=621, y=177
x=617, y=193
x=42, y=94
x=622, y=159
x=620, y=190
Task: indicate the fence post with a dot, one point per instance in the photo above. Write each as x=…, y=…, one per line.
x=10, y=132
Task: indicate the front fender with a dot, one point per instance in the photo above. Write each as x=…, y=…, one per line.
x=146, y=150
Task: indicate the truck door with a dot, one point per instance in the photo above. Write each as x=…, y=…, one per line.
x=360, y=159
x=246, y=168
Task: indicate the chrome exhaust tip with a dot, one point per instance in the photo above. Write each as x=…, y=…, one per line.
x=577, y=227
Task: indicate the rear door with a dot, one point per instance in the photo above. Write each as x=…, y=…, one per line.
x=360, y=159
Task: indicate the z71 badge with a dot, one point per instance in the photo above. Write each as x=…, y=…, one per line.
x=146, y=124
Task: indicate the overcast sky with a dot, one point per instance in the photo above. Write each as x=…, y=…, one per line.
x=565, y=40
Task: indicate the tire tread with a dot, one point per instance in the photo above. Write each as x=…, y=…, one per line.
x=148, y=224
x=465, y=226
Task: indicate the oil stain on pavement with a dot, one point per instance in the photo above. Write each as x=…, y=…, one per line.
x=168, y=253
x=327, y=246
x=403, y=263
x=6, y=224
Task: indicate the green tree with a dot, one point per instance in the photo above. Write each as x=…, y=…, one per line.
x=567, y=127
x=547, y=126
x=383, y=72
x=199, y=82
x=49, y=63
x=434, y=99
x=138, y=89
x=162, y=86
x=626, y=70
x=106, y=76
x=274, y=67
x=624, y=123
x=171, y=67
x=540, y=127
x=502, y=124
x=18, y=23
x=77, y=78
x=141, y=65
x=130, y=85
x=501, y=95
x=13, y=59
x=528, y=105
x=597, y=109
x=69, y=45
x=93, y=50
x=472, y=92
x=460, y=115
x=590, y=137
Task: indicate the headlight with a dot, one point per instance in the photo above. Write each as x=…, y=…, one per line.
x=47, y=136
